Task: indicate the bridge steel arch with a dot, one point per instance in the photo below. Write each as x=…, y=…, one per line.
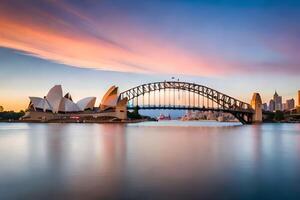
x=225, y=103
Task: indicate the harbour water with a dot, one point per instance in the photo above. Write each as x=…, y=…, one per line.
x=150, y=160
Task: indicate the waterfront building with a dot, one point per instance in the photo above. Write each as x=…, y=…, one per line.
x=55, y=106
x=265, y=106
x=55, y=102
x=272, y=105
x=278, y=101
x=207, y=115
x=290, y=104
x=284, y=106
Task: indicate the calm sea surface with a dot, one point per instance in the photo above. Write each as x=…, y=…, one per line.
x=153, y=160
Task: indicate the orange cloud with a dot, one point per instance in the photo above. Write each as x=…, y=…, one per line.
x=131, y=51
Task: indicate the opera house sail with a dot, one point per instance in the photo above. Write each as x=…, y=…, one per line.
x=54, y=97
x=86, y=103
x=110, y=98
x=55, y=106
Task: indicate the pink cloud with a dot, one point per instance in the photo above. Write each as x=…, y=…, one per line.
x=116, y=44
x=130, y=50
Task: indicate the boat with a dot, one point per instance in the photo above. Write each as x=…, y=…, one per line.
x=163, y=117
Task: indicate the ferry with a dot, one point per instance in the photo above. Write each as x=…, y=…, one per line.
x=163, y=117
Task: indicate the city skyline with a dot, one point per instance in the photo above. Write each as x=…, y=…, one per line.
x=282, y=104
x=95, y=45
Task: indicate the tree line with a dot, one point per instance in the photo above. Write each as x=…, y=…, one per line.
x=10, y=115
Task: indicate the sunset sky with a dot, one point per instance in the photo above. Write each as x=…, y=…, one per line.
x=234, y=46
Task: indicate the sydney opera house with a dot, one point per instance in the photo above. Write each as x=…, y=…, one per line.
x=57, y=107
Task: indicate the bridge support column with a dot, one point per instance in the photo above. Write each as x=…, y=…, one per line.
x=256, y=105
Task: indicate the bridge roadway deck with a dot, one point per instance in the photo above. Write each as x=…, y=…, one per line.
x=191, y=108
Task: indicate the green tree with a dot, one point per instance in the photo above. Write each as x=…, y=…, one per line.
x=279, y=115
x=134, y=114
x=136, y=110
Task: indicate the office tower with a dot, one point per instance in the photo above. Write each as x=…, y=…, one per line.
x=265, y=106
x=284, y=106
x=271, y=105
x=278, y=101
x=290, y=104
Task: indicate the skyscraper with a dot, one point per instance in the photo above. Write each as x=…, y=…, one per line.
x=290, y=104
x=265, y=106
x=284, y=106
x=278, y=101
x=271, y=105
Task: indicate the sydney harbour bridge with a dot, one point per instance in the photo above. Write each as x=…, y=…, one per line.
x=191, y=96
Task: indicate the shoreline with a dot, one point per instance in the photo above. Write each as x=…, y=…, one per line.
x=122, y=121
x=75, y=121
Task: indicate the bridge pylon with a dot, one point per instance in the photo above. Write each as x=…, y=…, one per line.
x=256, y=104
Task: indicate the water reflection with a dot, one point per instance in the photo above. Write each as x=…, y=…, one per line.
x=142, y=161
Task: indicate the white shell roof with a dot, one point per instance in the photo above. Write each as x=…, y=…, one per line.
x=40, y=103
x=54, y=97
x=44, y=104
x=55, y=101
x=35, y=100
x=66, y=105
x=86, y=103
x=111, y=97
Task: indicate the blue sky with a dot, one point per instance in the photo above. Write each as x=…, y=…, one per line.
x=236, y=47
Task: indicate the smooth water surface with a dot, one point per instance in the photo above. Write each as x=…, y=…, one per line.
x=152, y=160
